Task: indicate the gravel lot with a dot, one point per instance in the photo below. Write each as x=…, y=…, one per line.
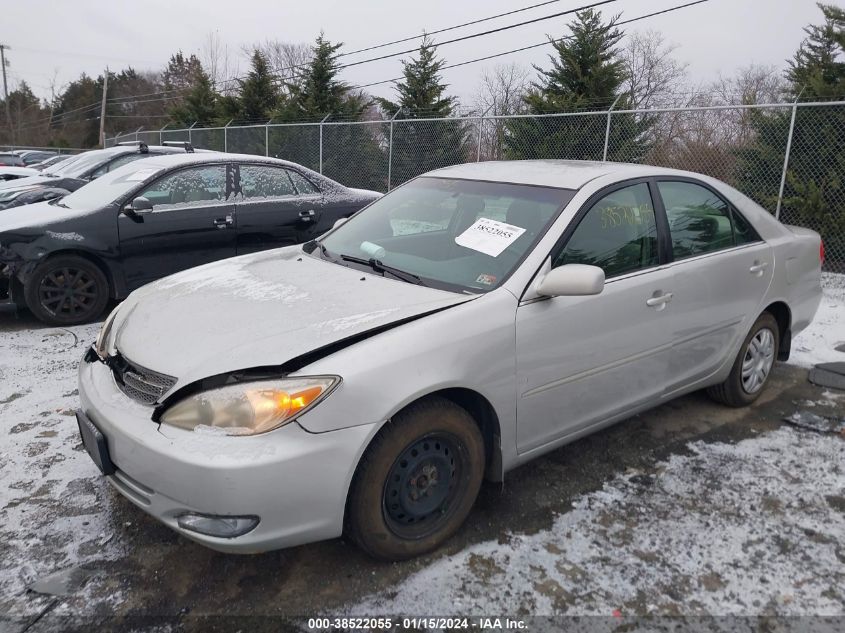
x=689, y=509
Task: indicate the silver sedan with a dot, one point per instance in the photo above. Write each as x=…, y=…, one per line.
x=469, y=321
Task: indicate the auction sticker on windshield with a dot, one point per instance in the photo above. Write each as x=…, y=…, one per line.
x=489, y=236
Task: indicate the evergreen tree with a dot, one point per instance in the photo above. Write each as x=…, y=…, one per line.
x=318, y=92
x=258, y=96
x=351, y=153
x=182, y=74
x=814, y=192
x=420, y=146
x=586, y=74
x=199, y=106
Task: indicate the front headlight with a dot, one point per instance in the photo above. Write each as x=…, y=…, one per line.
x=102, y=344
x=250, y=408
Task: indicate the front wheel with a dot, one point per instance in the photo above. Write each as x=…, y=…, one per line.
x=753, y=365
x=67, y=290
x=417, y=481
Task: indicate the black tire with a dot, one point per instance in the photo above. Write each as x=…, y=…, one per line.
x=733, y=392
x=395, y=519
x=67, y=290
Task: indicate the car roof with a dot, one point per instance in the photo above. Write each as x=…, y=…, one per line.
x=172, y=160
x=563, y=174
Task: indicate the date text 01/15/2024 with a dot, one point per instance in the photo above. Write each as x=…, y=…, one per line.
x=417, y=623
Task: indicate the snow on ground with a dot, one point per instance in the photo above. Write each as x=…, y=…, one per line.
x=743, y=529
x=816, y=344
x=54, y=510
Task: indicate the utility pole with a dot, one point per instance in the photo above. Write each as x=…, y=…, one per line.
x=3, y=48
x=103, y=109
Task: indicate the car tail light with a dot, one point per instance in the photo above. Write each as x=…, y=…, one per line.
x=821, y=252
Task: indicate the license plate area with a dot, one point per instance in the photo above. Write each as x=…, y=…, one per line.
x=95, y=444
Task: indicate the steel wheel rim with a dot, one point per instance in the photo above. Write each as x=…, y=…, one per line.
x=758, y=360
x=423, y=484
x=67, y=291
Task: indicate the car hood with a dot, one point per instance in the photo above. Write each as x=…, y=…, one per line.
x=259, y=310
x=30, y=181
x=36, y=214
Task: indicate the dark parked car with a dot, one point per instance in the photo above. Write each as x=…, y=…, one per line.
x=65, y=258
x=52, y=162
x=82, y=169
x=31, y=157
x=10, y=159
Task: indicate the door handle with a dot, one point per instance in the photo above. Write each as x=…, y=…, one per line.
x=659, y=301
x=307, y=216
x=758, y=268
x=224, y=223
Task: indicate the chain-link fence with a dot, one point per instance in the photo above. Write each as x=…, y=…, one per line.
x=788, y=157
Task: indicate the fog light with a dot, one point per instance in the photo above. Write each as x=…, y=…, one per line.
x=220, y=526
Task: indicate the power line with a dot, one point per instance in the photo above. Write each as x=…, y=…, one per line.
x=450, y=28
x=525, y=48
x=465, y=37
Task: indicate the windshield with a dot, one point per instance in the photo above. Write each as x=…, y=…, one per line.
x=110, y=187
x=460, y=235
x=79, y=166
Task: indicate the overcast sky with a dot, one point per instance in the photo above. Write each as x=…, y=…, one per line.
x=62, y=39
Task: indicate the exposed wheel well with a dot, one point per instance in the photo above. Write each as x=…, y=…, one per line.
x=91, y=258
x=488, y=422
x=783, y=316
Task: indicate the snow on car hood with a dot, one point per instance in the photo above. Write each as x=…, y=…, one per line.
x=258, y=310
x=36, y=214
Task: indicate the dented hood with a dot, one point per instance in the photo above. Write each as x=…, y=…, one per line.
x=259, y=310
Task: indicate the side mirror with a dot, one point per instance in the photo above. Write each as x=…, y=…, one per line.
x=572, y=280
x=140, y=206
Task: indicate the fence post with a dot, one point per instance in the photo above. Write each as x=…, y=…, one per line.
x=607, y=130
x=160, y=135
x=190, y=136
x=226, y=136
x=390, y=150
x=136, y=133
x=321, y=140
x=480, y=130
x=267, y=137
x=786, y=154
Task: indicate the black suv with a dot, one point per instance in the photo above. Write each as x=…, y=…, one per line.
x=75, y=172
x=65, y=258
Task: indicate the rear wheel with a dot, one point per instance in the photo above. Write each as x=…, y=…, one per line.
x=417, y=481
x=753, y=365
x=67, y=290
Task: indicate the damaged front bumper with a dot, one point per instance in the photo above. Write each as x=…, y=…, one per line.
x=278, y=489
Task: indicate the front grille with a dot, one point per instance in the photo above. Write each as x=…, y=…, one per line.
x=140, y=384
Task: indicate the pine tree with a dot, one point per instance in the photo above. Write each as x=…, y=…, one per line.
x=420, y=146
x=351, y=153
x=258, y=97
x=814, y=192
x=319, y=92
x=586, y=74
x=199, y=106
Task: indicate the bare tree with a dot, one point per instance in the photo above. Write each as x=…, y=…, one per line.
x=653, y=74
x=752, y=84
x=499, y=94
x=287, y=59
x=218, y=64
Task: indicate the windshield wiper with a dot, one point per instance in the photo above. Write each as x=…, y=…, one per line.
x=380, y=267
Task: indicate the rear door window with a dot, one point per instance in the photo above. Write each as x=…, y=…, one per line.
x=699, y=220
x=262, y=181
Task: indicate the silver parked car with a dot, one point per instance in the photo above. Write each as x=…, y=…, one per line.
x=465, y=323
